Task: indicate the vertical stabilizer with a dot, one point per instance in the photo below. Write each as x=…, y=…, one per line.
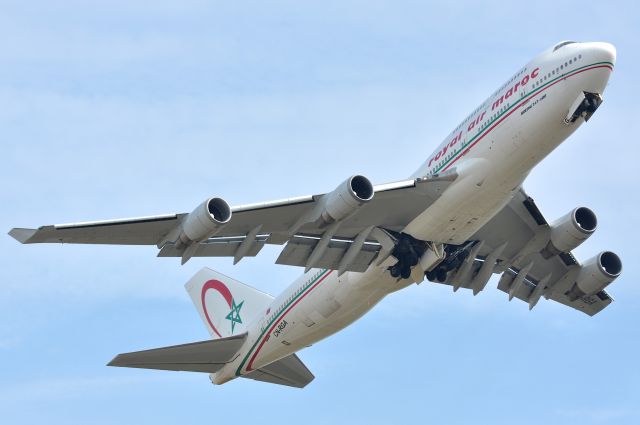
x=225, y=305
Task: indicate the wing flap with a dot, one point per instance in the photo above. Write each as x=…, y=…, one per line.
x=205, y=356
x=217, y=247
x=299, y=249
x=590, y=305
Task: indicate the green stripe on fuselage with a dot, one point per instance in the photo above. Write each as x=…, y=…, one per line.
x=527, y=95
x=278, y=316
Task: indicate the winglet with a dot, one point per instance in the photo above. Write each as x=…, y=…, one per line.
x=22, y=235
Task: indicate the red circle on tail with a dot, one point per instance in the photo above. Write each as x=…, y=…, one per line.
x=223, y=290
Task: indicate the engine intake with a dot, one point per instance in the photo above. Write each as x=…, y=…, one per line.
x=598, y=272
x=205, y=220
x=346, y=199
x=569, y=231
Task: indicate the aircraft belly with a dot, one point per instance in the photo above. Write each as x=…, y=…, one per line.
x=468, y=203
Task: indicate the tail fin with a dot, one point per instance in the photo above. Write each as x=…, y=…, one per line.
x=225, y=305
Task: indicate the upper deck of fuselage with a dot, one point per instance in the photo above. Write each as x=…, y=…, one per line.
x=562, y=60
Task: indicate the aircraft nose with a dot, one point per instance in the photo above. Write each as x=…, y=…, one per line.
x=603, y=52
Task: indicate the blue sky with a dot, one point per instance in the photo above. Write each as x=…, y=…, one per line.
x=114, y=109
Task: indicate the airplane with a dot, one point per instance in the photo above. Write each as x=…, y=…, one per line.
x=462, y=217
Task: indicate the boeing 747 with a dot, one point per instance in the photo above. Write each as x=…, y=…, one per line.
x=458, y=220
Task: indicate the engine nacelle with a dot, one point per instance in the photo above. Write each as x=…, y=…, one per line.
x=346, y=199
x=598, y=272
x=571, y=230
x=205, y=220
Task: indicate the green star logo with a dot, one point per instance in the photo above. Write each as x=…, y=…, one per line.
x=234, y=314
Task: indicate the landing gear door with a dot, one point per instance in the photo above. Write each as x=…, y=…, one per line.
x=583, y=106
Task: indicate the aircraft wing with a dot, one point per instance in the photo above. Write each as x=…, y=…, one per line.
x=299, y=222
x=513, y=243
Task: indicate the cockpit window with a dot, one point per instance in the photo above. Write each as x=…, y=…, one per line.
x=564, y=43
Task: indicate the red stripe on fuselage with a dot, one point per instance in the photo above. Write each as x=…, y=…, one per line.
x=275, y=322
x=467, y=149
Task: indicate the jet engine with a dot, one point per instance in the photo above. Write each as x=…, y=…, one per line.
x=596, y=273
x=570, y=231
x=205, y=220
x=346, y=199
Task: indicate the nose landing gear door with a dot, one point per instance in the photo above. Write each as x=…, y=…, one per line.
x=584, y=106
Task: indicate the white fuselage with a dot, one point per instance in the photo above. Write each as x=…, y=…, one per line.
x=493, y=151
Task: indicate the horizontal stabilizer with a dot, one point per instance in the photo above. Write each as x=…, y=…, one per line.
x=205, y=356
x=289, y=371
